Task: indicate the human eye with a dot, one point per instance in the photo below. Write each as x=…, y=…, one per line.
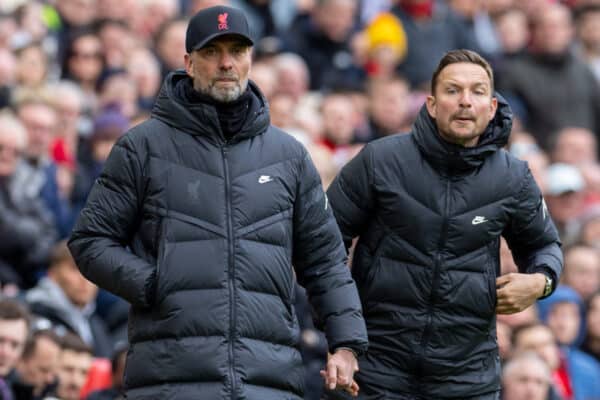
x=239, y=50
x=451, y=90
x=209, y=51
x=480, y=91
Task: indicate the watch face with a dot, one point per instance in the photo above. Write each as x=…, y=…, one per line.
x=548, y=287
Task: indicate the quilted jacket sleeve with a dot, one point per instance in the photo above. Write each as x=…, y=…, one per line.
x=106, y=225
x=320, y=262
x=351, y=196
x=531, y=235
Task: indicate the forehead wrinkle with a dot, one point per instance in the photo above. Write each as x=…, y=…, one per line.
x=465, y=82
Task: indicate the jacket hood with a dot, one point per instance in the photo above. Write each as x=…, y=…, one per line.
x=51, y=297
x=564, y=294
x=174, y=109
x=453, y=157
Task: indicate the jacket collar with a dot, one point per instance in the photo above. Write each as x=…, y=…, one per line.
x=453, y=158
x=197, y=118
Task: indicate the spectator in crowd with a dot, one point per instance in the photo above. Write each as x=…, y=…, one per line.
x=169, y=42
x=75, y=362
x=251, y=207
x=477, y=21
x=144, y=69
x=109, y=125
x=26, y=227
x=587, y=24
x=427, y=258
x=572, y=145
x=264, y=75
x=36, y=112
x=564, y=313
x=565, y=196
x=512, y=28
x=117, y=42
x=389, y=107
x=281, y=110
x=158, y=14
x=75, y=14
x=292, y=75
x=31, y=25
x=324, y=163
x=14, y=328
x=66, y=298
x=591, y=345
x=32, y=66
x=524, y=147
x=84, y=62
x=118, y=89
x=588, y=225
x=36, y=371
x=68, y=103
x=381, y=46
x=267, y=18
x=116, y=391
x=8, y=27
x=322, y=40
x=526, y=377
x=128, y=11
x=582, y=270
x=538, y=338
x=551, y=77
x=432, y=29
x=574, y=373
x=337, y=110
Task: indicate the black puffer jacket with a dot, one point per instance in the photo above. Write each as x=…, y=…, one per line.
x=430, y=215
x=214, y=228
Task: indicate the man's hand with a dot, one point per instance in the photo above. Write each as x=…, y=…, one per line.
x=341, y=367
x=515, y=292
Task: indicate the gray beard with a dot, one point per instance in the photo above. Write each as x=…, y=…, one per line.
x=224, y=95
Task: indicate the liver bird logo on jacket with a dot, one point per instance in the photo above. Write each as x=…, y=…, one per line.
x=222, y=21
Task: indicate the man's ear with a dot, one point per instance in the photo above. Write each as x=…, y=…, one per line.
x=187, y=59
x=431, y=106
x=493, y=108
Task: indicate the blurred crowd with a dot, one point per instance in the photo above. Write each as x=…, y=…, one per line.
x=75, y=75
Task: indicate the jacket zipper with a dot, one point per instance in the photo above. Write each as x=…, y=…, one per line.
x=436, y=273
x=231, y=274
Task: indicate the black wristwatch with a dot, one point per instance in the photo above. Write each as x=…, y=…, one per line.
x=547, y=287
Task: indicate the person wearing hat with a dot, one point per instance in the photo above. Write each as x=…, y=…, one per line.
x=565, y=195
x=203, y=218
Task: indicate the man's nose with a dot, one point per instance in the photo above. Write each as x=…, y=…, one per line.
x=226, y=60
x=465, y=98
